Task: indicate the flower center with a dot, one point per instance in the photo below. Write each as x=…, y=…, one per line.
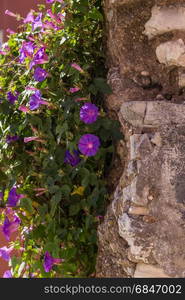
x=91, y=113
x=90, y=145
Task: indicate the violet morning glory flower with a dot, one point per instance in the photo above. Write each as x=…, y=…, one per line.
x=26, y=50
x=89, y=144
x=7, y=274
x=74, y=89
x=40, y=57
x=30, y=139
x=5, y=253
x=77, y=67
x=51, y=1
x=13, y=197
x=36, y=100
x=72, y=159
x=37, y=22
x=31, y=88
x=49, y=261
x=3, y=52
x=9, y=227
x=10, y=13
x=54, y=17
x=10, y=31
x=11, y=139
x=40, y=74
x=29, y=18
x=11, y=97
x=23, y=108
x=50, y=25
x=89, y=113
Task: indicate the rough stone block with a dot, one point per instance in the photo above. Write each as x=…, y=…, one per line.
x=165, y=19
x=149, y=271
x=171, y=53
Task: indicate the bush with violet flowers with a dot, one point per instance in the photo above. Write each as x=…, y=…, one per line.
x=55, y=139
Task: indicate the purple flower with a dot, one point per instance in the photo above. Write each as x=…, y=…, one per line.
x=29, y=18
x=37, y=23
x=3, y=52
x=40, y=74
x=74, y=89
x=7, y=274
x=10, y=13
x=50, y=25
x=89, y=144
x=13, y=197
x=5, y=253
x=23, y=108
x=1, y=195
x=10, y=31
x=30, y=139
x=72, y=159
x=77, y=67
x=9, y=227
x=40, y=57
x=36, y=101
x=51, y=1
x=89, y=113
x=49, y=261
x=11, y=139
x=26, y=50
x=11, y=97
x=54, y=17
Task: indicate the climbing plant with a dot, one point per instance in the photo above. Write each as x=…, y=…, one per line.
x=56, y=140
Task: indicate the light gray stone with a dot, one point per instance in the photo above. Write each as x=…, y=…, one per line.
x=138, y=210
x=149, y=271
x=127, y=230
x=171, y=53
x=155, y=114
x=181, y=80
x=165, y=19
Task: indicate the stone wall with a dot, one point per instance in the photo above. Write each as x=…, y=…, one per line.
x=143, y=232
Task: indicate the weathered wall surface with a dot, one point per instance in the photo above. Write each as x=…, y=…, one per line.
x=143, y=233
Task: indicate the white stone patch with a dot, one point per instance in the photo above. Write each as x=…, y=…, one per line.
x=171, y=53
x=137, y=249
x=149, y=271
x=181, y=79
x=165, y=19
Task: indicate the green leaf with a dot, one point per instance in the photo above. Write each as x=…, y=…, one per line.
x=93, y=179
x=65, y=190
x=93, y=89
x=74, y=209
x=26, y=203
x=95, y=14
x=61, y=128
x=102, y=86
x=54, y=203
